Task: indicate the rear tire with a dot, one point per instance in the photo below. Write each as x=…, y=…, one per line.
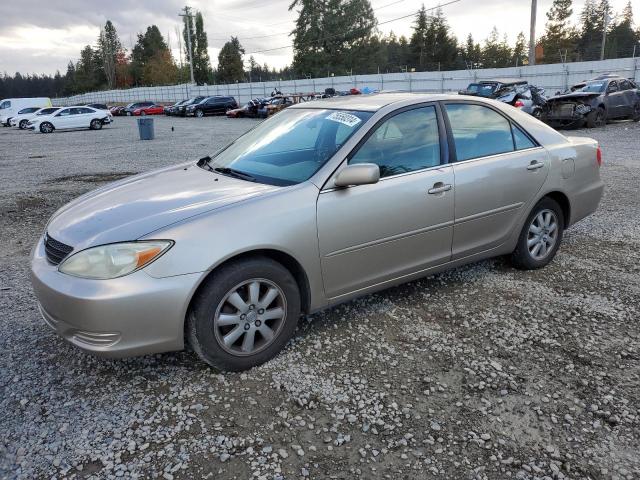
x=46, y=127
x=217, y=329
x=597, y=118
x=540, y=237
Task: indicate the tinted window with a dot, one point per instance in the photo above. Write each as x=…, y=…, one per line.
x=478, y=131
x=47, y=111
x=406, y=142
x=28, y=110
x=613, y=87
x=520, y=139
x=64, y=113
x=625, y=85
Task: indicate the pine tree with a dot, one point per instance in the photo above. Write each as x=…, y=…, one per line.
x=230, y=66
x=419, y=39
x=560, y=38
x=520, y=51
x=623, y=37
x=201, y=63
x=109, y=47
x=151, y=60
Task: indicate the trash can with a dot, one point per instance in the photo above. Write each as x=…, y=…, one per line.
x=145, y=128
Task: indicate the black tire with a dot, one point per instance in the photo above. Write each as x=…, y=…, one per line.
x=95, y=124
x=199, y=113
x=23, y=124
x=200, y=331
x=521, y=256
x=596, y=118
x=46, y=127
x=635, y=116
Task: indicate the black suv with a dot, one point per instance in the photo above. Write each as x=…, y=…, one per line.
x=128, y=110
x=211, y=106
x=181, y=110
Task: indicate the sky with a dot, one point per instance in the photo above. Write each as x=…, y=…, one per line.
x=41, y=36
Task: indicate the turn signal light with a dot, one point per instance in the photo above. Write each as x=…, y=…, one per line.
x=599, y=156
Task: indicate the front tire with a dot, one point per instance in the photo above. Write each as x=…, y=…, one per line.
x=23, y=124
x=635, y=116
x=596, y=118
x=199, y=113
x=46, y=127
x=540, y=237
x=95, y=124
x=244, y=315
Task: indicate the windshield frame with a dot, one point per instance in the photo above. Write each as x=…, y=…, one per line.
x=209, y=163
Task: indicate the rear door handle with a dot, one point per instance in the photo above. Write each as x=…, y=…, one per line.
x=535, y=165
x=439, y=187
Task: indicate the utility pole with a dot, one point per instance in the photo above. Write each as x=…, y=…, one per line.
x=532, y=33
x=188, y=16
x=607, y=18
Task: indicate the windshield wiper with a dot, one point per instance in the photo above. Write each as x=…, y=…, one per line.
x=232, y=172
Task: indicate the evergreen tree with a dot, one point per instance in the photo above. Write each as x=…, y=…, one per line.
x=472, y=53
x=419, y=39
x=622, y=38
x=496, y=53
x=560, y=38
x=201, y=63
x=230, y=66
x=109, y=47
x=151, y=60
x=520, y=51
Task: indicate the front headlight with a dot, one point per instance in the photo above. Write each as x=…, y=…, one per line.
x=114, y=260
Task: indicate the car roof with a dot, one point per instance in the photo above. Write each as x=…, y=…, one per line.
x=372, y=102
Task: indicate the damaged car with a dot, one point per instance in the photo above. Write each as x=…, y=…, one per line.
x=513, y=91
x=594, y=102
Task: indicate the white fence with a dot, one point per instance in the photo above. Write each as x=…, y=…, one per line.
x=552, y=77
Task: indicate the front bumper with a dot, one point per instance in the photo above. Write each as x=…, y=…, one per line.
x=127, y=316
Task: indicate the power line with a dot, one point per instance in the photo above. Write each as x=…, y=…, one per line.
x=289, y=21
x=364, y=28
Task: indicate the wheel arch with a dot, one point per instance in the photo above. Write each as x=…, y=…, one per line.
x=285, y=259
x=562, y=200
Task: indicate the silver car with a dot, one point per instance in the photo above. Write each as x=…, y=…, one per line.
x=323, y=202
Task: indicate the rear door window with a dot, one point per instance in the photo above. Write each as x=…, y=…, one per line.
x=478, y=131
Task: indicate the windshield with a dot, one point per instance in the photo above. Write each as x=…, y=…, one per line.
x=482, y=89
x=289, y=147
x=46, y=111
x=595, y=87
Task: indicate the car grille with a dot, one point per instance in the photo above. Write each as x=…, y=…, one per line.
x=56, y=251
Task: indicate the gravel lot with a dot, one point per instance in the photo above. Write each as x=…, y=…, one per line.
x=483, y=372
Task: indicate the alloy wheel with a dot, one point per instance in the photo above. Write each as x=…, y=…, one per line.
x=543, y=234
x=250, y=317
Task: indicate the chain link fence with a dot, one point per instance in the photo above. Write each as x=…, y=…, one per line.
x=552, y=77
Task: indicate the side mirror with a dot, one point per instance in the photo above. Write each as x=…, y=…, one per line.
x=358, y=174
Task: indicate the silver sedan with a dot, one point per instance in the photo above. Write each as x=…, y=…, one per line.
x=323, y=202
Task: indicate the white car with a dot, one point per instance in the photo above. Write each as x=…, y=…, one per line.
x=24, y=115
x=69, y=118
x=9, y=107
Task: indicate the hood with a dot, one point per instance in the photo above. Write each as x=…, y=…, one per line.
x=575, y=95
x=131, y=208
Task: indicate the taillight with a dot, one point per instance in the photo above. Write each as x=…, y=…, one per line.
x=518, y=104
x=599, y=156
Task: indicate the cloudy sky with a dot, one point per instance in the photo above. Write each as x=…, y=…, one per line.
x=41, y=36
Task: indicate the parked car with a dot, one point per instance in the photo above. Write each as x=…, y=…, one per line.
x=21, y=122
x=173, y=109
x=149, y=110
x=181, y=110
x=211, y=105
x=117, y=110
x=97, y=106
x=324, y=202
x=594, y=102
x=129, y=109
x=249, y=110
x=10, y=107
x=274, y=105
x=21, y=118
x=68, y=118
x=513, y=91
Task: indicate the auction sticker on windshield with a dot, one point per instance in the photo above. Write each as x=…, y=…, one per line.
x=345, y=118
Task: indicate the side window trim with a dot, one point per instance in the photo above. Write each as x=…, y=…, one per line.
x=450, y=140
x=444, y=150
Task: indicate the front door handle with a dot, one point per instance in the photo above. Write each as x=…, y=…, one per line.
x=439, y=187
x=535, y=165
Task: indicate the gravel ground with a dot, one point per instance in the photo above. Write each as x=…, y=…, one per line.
x=483, y=372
